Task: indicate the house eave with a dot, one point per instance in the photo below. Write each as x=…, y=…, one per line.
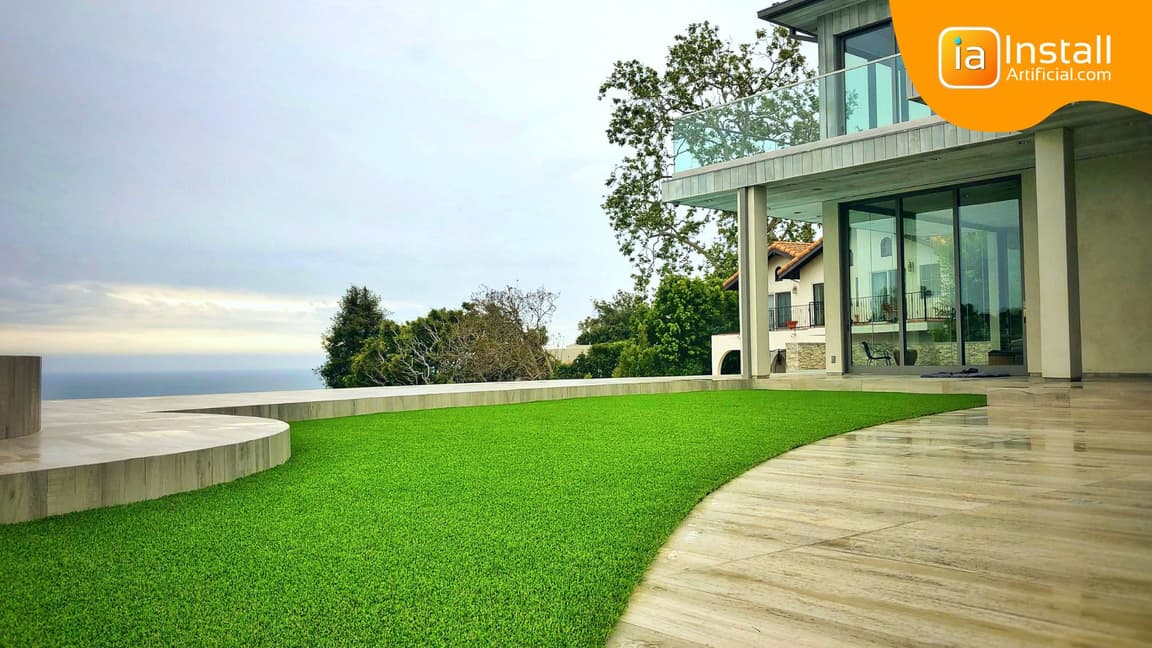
x=793, y=272
x=801, y=15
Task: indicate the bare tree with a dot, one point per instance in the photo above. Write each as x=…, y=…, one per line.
x=504, y=331
x=432, y=351
x=499, y=334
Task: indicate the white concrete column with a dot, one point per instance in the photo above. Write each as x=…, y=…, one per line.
x=755, y=278
x=1059, y=276
x=19, y=396
x=834, y=359
x=1030, y=251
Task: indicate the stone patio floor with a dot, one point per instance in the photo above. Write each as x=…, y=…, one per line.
x=1027, y=522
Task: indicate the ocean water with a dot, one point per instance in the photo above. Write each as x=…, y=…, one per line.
x=56, y=386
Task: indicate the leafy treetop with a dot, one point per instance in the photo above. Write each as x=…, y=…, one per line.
x=701, y=71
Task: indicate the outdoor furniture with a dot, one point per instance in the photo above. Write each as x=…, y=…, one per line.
x=908, y=359
x=887, y=358
x=998, y=357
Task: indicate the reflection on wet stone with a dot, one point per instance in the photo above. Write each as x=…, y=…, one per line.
x=1024, y=523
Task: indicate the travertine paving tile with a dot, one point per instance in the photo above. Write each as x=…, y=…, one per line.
x=1028, y=522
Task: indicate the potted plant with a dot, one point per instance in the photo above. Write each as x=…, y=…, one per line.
x=792, y=324
x=889, y=311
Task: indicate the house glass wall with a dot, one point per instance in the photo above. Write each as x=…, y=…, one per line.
x=872, y=284
x=875, y=95
x=940, y=286
x=929, y=318
x=991, y=286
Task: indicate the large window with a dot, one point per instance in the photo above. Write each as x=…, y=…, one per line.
x=952, y=294
x=875, y=95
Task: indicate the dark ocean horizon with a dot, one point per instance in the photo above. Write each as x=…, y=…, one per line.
x=125, y=384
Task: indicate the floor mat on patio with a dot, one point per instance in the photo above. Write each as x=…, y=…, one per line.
x=967, y=373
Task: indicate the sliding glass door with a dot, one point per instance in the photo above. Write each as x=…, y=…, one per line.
x=929, y=280
x=872, y=283
x=939, y=286
x=992, y=299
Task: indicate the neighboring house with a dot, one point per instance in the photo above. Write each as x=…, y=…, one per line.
x=943, y=247
x=796, y=311
x=567, y=353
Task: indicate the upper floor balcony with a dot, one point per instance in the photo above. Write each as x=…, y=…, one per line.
x=851, y=100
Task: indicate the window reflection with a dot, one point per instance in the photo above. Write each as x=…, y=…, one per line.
x=991, y=287
x=875, y=95
x=872, y=285
x=937, y=300
x=929, y=280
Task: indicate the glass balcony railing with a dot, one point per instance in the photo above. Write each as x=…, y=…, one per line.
x=846, y=101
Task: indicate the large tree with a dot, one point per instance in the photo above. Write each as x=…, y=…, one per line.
x=498, y=334
x=701, y=71
x=675, y=336
x=505, y=331
x=425, y=351
x=615, y=319
x=357, y=320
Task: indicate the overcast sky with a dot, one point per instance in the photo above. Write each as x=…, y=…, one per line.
x=208, y=177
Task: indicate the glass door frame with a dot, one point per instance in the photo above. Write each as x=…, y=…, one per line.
x=898, y=244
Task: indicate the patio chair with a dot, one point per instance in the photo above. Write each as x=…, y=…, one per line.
x=872, y=356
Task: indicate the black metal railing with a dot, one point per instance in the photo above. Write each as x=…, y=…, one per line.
x=919, y=306
x=804, y=316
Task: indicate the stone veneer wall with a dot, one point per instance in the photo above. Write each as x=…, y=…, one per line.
x=934, y=354
x=805, y=355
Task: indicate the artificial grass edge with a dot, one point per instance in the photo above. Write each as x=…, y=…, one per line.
x=501, y=548
x=977, y=400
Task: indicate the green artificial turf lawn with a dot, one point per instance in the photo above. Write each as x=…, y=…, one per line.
x=517, y=524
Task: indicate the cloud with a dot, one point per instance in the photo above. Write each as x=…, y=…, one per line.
x=217, y=167
x=95, y=317
x=64, y=339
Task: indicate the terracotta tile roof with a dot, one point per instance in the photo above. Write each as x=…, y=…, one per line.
x=791, y=248
x=796, y=251
x=801, y=257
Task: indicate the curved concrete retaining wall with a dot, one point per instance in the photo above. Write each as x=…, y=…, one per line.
x=103, y=452
x=34, y=494
x=374, y=400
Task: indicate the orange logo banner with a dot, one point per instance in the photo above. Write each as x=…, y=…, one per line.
x=1002, y=65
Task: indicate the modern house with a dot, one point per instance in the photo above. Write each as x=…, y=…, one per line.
x=796, y=312
x=943, y=247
